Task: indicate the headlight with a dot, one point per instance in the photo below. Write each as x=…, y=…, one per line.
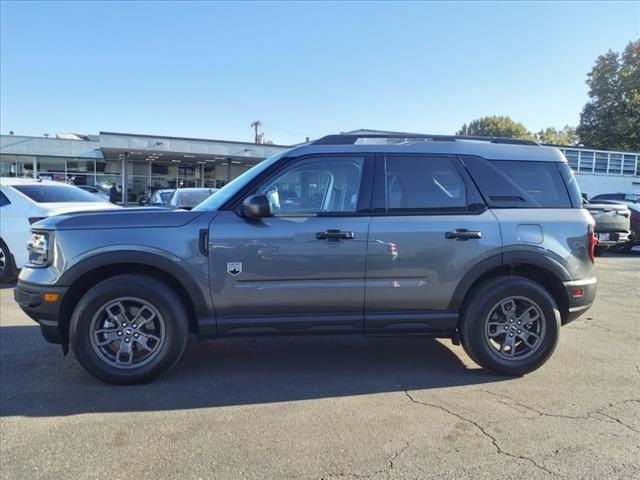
x=39, y=249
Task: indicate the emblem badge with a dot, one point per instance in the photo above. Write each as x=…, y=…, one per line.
x=234, y=268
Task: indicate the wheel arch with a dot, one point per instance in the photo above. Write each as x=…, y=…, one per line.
x=538, y=268
x=83, y=276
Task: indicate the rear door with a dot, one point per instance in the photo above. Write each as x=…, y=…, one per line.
x=302, y=269
x=429, y=227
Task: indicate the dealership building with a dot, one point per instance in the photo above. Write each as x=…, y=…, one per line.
x=133, y=162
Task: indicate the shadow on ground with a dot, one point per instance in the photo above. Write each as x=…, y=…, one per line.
x=36, y=380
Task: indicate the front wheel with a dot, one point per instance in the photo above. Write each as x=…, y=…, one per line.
x=510, y=325
x=129, y=329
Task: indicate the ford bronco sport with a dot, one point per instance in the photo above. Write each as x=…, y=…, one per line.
x=481, y=240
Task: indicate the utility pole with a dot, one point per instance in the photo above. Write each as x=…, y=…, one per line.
x=255, y=126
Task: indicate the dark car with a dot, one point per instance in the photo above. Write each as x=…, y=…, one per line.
x=612, y=224
x=628, y=198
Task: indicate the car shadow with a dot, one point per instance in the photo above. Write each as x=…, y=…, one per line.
x=37, y=381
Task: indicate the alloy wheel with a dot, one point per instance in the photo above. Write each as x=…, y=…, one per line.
x=127, y=332
x=515, y=328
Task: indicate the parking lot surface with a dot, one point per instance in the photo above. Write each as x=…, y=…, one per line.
x=334, y=407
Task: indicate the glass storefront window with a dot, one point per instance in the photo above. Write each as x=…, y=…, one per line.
x=16, y=166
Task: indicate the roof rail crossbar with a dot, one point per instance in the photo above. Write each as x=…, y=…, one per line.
x=351, y=139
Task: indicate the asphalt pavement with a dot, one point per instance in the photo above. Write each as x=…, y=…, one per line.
x=333, y=407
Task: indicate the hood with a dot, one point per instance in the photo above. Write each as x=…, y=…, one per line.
x=118, y=218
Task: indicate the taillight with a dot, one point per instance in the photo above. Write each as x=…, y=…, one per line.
x=593, y=241
x=33, y=220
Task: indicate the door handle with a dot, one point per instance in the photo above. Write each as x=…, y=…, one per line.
x=462, y=234
x=335, y=234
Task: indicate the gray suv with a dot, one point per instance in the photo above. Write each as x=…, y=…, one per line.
x=481, y=240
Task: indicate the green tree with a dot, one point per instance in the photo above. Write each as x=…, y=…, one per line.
x=495, y=126
x=551, y=136
x=611, y=117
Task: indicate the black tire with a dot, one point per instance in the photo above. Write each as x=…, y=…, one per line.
x=480, y=310
x=7, y=265
x=128, y=291
x=599, y=250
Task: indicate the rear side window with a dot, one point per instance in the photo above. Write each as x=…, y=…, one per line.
x=519, y=184
x=55, y=193
x=425, y=184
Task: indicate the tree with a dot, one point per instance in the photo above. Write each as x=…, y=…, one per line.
x=611, y=118
x=551, y=136
x=495, y=126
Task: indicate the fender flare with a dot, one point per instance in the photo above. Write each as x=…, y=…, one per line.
x=503, y=260
x=202, y=305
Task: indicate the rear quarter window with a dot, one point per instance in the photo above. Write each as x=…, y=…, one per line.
x=3, y=200
x=40, y=193
x=521, y=184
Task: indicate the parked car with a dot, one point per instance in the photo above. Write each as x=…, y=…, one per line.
x=483, y=241
x=634, y=237
x=628, y=198
x=187, y=198
x=24, y=202
x=160, y=197
x=612, y=224
x=98, y=192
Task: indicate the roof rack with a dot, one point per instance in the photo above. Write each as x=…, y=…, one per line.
x=351, y=139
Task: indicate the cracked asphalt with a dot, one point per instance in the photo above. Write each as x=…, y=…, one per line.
x=334, y=408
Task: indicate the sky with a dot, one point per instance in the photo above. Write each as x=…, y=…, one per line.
x=207, y=70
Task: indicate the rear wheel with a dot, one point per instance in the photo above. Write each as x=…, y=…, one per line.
x=510, y=325
x=7, y=268
x=129, y=329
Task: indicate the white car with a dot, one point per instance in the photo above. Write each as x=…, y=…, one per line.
x=101, y=194
x=24, y=202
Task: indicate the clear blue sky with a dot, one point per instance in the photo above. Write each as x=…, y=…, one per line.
x=305, y=69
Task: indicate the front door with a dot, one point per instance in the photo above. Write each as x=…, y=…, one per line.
x=302, y=269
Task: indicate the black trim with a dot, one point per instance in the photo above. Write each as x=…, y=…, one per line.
x=539, y=260
x=30, y=298
x=442, y=322
x=203, y=305
x=472, y=275
x=352, y=138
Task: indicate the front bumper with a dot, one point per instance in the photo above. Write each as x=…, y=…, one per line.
x=31, y=299
x=580, y=303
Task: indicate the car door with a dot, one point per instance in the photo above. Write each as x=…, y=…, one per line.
x=301, y=269
x=429, y=227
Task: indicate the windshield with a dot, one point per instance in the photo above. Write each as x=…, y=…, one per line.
x=216, y=200
x=45, y=193
x=189, y=198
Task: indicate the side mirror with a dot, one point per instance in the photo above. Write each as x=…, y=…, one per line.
x=256, y=206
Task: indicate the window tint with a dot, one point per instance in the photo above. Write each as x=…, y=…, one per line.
x=3, y=200
x=316, y=185
x=42, y=193
x=519, y=184
x=415, y=183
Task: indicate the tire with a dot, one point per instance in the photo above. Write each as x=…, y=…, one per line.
x=599, y=250
x=7, y=266
x=500, y=303
x=105, y=318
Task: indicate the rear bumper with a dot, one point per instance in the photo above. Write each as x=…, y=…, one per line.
x=613, y=237
x=580, y=303
x=30, y=298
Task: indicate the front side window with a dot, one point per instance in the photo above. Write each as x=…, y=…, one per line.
x=321, y=185
x=424, y=184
